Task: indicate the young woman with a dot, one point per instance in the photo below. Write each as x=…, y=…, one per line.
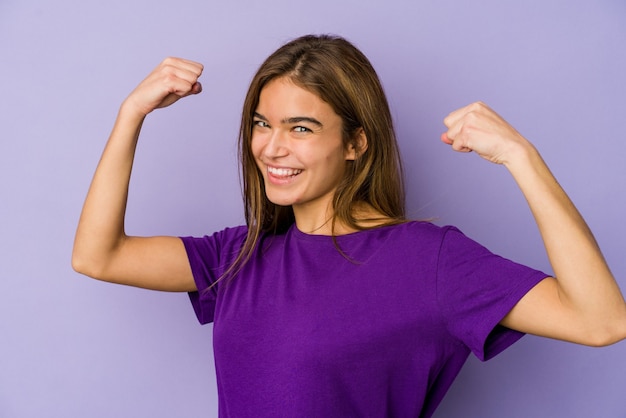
x=329, y=302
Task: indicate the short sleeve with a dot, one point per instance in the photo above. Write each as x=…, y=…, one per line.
x=475, y=291
x=209, y=258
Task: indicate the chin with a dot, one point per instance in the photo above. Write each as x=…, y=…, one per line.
x=280, y=200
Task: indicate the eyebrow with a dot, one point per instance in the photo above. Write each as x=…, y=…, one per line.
x=293, y=120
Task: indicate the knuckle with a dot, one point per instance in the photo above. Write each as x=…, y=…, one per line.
x=478, y=105
x=476, y=108
x=168, y=76
x=470, y=119
x=168, y=66
x=169, y=61
x=466, y=130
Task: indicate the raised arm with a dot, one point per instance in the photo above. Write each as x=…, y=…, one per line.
x=102, y=249
x=583, y=304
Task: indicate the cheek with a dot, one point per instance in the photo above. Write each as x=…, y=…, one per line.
x=256, y=145
x=335, y=157
x=316, y=153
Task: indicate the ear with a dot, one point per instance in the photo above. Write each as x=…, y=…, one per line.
x=357, y=146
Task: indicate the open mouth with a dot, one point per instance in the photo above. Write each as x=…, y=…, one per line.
x=283, y=173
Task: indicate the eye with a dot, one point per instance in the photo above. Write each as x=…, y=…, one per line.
x=301, y=129
x=260, y=123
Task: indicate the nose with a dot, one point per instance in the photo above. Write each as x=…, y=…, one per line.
x=276, y=145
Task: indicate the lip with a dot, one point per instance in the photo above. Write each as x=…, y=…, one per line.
x=280, y=180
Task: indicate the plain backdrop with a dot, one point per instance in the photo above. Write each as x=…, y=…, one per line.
x=75, y=347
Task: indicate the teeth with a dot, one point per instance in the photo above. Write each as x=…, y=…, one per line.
x=283, y=172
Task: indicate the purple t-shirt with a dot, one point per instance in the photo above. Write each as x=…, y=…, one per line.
x=382, y=330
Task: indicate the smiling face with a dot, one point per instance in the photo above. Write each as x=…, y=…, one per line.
x=297, y=143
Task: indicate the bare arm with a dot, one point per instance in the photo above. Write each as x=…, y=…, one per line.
x=101, y=248
x=583, y=304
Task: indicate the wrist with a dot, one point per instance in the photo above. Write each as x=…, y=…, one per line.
x=522, y=156
x=130, y=111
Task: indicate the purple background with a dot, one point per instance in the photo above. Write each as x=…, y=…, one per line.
x=74, y=347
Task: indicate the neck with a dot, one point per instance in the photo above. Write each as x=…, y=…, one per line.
x=320, y=222
x=314, y=220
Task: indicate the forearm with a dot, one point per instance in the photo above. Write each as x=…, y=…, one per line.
x=585, y=283
x=101, y=226
x=583, y=304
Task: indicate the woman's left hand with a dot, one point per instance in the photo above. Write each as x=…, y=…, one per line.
x=478, y=128
x=584, y=303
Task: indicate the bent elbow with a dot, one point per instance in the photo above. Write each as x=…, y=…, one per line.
x=84, y=265
x=80, y=266
x=604, y=340
x=608, y=334
x=77, y=262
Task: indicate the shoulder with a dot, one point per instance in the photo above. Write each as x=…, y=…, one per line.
x=412, y=240
x=448, y=236
x=228, y=239
x=234, y=233
x=440, y=243
x=421, y=230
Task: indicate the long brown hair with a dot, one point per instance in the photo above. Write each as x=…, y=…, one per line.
x=338, y=73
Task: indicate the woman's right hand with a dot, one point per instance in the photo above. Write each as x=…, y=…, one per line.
x=102, y=249
x=171, y=80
